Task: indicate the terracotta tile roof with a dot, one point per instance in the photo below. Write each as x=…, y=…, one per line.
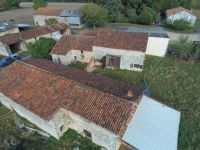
x=133, y=41
x=9, y=39
x=73, y=42
x=28, y=34
x=99, y=82
x=48, y=11
x=43, y=93
x=177, y=10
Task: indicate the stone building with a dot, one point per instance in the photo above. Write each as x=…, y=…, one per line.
x=16, y=42
x=70, y=16
x=56, y=98
x=180, y=13
x=111, y=49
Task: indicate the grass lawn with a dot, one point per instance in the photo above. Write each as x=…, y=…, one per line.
x=176, y=83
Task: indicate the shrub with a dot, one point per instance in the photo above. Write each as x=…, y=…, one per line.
x=39, y=3
x=182, y=48
x=132, y=15
x=10, y=3
x=181, y=25
x=41, y=48
x=94, y=15
x=122, y=18
x=146, y=17
x=51, y=21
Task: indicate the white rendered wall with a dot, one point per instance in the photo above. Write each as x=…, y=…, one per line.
x=182, y=15
x=4, y=50
x=40, y=20
x=157, y=46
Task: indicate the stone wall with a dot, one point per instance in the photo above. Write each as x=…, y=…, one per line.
x=128, y=58
x=64, y=120
x=72, y=56
x=35, y=119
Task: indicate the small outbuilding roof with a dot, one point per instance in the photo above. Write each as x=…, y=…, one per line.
x=154, y=126
x=160, y=35
x=48, y=11
x=6, y=26
x=70, y=13
x=177, y=10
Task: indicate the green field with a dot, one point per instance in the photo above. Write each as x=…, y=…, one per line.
x=176, y=83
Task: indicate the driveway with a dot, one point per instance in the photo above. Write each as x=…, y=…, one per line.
x=153, y=28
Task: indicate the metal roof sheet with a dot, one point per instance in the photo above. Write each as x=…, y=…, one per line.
x=154, y=127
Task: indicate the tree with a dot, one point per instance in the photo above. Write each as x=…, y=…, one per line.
x=146, y=17
x=41, y=48
x=39, y=3
x=114, y=8
x=181, y=25
x=10, y=3
x=93, y=14
x=51, y=21
x=132, y=16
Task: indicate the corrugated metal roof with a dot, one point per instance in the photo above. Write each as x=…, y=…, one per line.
x=154, y=127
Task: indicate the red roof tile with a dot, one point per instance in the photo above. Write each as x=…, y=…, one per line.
x=96, y=81
x=48, y=11
x=73, y=42
x=133, y=41
x=9, y=39
x=177, y=10
x=43, y=93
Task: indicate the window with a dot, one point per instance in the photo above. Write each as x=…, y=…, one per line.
x=131, y=65
x=138, y=66
x=111, y=62
x=75, y=58
x=61, y=128
x=88, y=134
x=81, y=51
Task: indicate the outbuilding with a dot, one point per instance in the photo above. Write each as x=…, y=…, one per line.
x=180, y=13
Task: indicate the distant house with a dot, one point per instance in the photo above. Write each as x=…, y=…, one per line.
x=68, y=16
x=56, y=98
x=124, y=50
x=180, y=13
x=13, y=43
x=8, y=28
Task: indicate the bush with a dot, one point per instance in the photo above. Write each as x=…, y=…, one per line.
x=7, y=4
x=93, y=14
x=51, y=21
x=132, y=16
x=146, y=17
x=181, y=48
x=121, y=18
x=41, y=48
x=39, y=3
x=181, y=25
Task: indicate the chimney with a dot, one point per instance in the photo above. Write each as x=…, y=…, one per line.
x=130, y=93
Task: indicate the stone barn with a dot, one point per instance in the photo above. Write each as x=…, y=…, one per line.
x=56, y=98
x=110, y=49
